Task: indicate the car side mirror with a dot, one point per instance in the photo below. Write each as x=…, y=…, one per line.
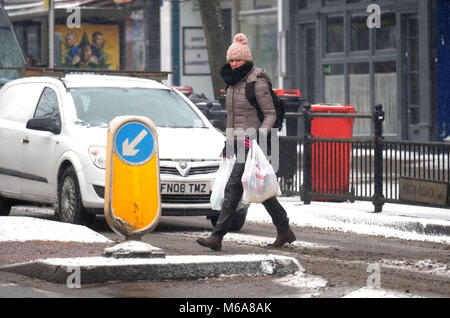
x=44, y=124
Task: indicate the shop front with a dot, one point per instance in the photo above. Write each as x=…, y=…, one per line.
x=91, y=34
x=339, y=57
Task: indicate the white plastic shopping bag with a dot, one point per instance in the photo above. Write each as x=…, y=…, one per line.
x=259, y=179
x=223, y=174
x=221, y=180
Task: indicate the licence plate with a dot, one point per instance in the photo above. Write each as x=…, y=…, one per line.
x=185, y=188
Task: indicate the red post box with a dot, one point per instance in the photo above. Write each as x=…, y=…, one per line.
x=331, y=160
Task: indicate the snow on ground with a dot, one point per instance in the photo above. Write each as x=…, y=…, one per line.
x=399, y=221
x=21, y=229
x=426, y=266
x=306, y=285
x=369, y=292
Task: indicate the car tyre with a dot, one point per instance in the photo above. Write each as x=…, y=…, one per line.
x=70, y=206
x=237, y=222
x=5, y=206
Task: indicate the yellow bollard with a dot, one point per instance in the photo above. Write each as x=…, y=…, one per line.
x=132, y=188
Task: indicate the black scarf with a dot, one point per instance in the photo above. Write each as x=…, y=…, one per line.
x=231, y=77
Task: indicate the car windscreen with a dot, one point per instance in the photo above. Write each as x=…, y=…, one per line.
x=97, y=106
x=10, y=55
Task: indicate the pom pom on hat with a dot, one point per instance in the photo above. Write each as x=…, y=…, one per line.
x=239, y=50
x=240, y=38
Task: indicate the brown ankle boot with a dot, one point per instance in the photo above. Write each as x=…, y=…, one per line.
x=283, y=238
x=213, y=242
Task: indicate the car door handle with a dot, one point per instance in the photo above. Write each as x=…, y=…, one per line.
x=25, y=141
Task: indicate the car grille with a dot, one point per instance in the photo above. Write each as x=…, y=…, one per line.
x=176, y=198
x=192, y=171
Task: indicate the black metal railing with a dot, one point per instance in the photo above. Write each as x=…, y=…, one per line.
x=340, y=169
x=428, y=161
x=367, y=169
x=356, y=169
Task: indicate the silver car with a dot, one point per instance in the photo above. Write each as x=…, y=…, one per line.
x=53, y=143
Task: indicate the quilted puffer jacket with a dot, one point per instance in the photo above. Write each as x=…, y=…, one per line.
x=240, y=113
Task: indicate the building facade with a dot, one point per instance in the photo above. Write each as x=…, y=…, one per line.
x=335, y=56
x=325, y=48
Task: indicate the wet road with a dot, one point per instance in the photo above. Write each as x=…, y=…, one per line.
x=336, y=265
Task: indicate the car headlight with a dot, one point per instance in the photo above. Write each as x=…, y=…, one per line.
x=98, y=156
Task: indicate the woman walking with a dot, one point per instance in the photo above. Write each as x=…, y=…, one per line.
x=242, y=115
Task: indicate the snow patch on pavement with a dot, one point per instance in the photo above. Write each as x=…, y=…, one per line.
x=426, y=266
x=307, y=285
x=369, y=292
x=22, y=229
x=396, y=220
x=171, y=259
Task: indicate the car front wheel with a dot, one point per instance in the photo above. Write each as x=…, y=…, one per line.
x=70, y=206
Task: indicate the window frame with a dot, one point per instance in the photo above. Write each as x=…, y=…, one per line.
x=348, y=57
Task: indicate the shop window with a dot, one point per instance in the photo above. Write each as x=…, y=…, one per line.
x=311, y=62
x=261, y=31
x=334, y=83
x=29, y=37
x=257, y=4
x=264, y=4
x=326, y=3
x=385, y=36
x=302, y=4
x=339, y=2
x=135, y=41
x=334, y=34
x=359, y=91
x=359, y=34
x=411, y=67
x=386, y=93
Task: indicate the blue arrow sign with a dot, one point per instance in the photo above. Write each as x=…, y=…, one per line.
x=134, y=144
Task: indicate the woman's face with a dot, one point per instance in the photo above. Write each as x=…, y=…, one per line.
x=236, y=63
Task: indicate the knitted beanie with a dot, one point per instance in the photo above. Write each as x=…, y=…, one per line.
x=239, y=50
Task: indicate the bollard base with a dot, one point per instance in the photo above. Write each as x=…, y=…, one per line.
x=133, y=249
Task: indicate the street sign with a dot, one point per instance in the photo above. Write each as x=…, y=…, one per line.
x=134, y=144
x=132, y=188
x=423, y=191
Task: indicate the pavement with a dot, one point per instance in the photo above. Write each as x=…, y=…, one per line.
x=410, y=222
x=400, y=221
